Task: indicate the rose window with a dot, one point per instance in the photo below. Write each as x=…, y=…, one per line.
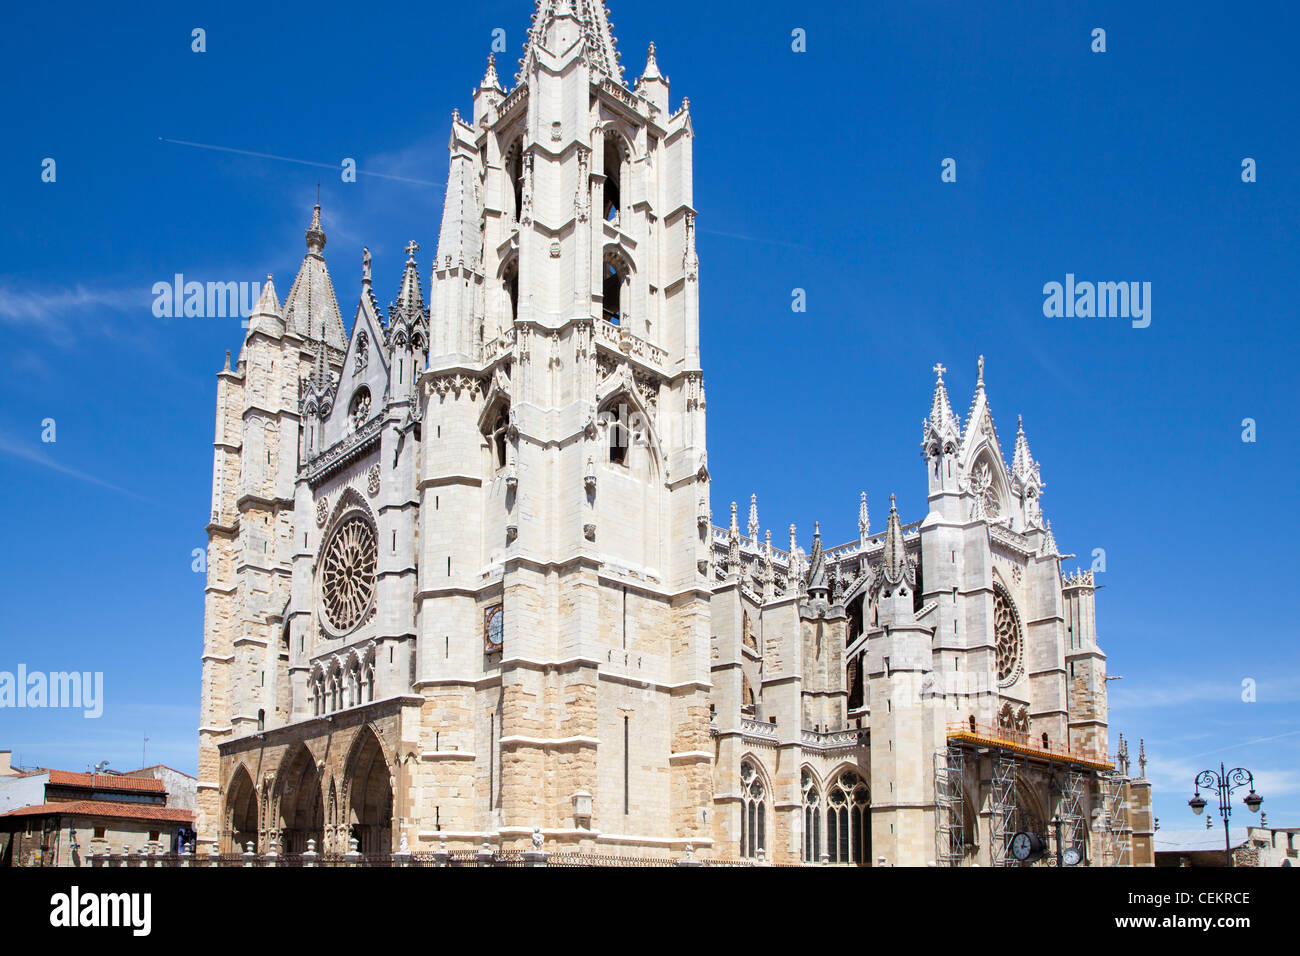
x=360, y=408
x=348, y=575
x=1006, y=627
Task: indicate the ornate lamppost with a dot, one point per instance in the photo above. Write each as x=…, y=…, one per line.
x=1224, y=782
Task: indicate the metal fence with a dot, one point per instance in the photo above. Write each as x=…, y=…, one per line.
x=485, y=856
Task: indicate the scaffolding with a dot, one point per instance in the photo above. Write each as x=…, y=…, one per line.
x=1004, y=807
x=950, y=807
x=1071, y=813
x=1071, y=771
x=1117, y=832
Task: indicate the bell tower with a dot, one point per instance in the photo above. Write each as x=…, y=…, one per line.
x=564, y=502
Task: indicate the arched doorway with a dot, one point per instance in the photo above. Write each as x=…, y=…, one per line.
x=370, y=796
x=239, y=826
x=302, y=814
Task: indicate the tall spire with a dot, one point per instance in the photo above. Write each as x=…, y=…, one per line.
x=310, y=309
x=941, y=414
x=1022, y=462
x=864, y=519
x=753, y=518
x=589, y=21
x=490, y=79
x=1048, y=546
x=733, y=545
x=796, y=569
x=817, y=562
x=315, y=235
x=651, y=66
x=409, y=307
x=895, y=557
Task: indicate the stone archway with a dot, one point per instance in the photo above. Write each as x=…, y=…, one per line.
x=239, y=822
x=370, y=796
x=302, y=813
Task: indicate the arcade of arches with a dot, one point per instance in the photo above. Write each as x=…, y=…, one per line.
x=306, y=800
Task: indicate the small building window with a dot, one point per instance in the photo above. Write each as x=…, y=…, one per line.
x=753, y=812
x=613, y=177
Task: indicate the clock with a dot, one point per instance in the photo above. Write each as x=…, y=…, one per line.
x=1071, y=856
x=1021, y=846
x=1027, y=847
x=492, y=629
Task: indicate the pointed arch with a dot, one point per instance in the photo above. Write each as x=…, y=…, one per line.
x=617, y=154
x=616, y=274
x=368, y=793
x=755, y=801
x=239, y=824
x=298, y=796
x=848, y=816
x=812, y=796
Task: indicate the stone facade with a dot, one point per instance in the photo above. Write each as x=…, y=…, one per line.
x=463, y=579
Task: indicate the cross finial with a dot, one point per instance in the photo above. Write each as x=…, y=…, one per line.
x=939, y=370
x=412, y=248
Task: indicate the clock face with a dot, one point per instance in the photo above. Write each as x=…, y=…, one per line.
x=1071, y=857
x=492, y=629
x=1021, y=846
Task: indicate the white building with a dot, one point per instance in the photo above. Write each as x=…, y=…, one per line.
x=463, y=579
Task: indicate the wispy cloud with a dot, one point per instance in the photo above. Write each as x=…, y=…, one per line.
x=10, y=447
x=19, y=305
x=1189, y=690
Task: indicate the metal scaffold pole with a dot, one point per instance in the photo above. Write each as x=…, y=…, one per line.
x=1005, y=817
x=950, y=829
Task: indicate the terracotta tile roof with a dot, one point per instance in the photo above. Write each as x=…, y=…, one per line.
x=143, y=771
x=105, y=808
x=106, y=781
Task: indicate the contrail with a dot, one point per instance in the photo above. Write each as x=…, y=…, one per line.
x=736, y=235
x=290, y=159
x=1243, y=743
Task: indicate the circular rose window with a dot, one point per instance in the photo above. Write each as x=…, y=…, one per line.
x=348, y=573
x=1006, y=626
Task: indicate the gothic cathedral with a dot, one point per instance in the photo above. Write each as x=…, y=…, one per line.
x=464, y=581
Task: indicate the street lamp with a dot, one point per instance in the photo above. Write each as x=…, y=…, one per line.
x=1223, y=783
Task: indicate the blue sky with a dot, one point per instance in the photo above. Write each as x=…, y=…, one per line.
x=817, y=170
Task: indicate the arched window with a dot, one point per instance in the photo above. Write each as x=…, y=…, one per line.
x=856, y=685
x=619, y=434
x=510, y=278
x=354, y=684
x=753, y=812
x=359, y=409
x=747, y=702
x=615, y=277
x=848, y=820
x=261, y=720
x=515, y=170
x=812, y=820
x=613, y=177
